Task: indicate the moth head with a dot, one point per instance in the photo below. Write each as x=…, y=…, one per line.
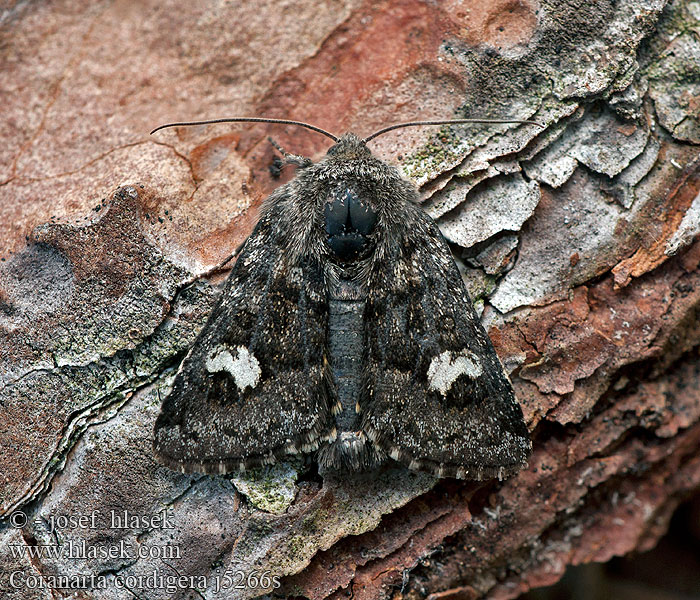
x=350, y=183
x=349, y=147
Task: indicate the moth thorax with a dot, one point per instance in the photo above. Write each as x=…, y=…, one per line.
x=349, y=221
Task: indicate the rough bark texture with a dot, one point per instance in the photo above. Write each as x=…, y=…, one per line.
x=579, y=242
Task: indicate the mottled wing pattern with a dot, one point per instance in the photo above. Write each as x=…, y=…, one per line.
x=437, y=398
x=254, y=386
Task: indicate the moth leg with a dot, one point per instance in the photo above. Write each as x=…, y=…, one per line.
x=217, y=268
x=291, y=159
x=221, y=266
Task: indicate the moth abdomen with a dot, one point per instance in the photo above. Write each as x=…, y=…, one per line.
x=346, y=348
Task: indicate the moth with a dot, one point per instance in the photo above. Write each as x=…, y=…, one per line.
x=344, y=329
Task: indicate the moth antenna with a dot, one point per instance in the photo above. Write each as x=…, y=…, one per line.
x=447, y=122
x=249, y=120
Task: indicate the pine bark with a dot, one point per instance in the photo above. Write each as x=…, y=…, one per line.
x=579, y=242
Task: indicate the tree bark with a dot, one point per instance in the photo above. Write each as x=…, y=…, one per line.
x=578, y=241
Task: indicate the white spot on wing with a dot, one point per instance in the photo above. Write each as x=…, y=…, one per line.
x=445, y=368
x=244, y=368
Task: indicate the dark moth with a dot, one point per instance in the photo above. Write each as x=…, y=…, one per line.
x=344, y=329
